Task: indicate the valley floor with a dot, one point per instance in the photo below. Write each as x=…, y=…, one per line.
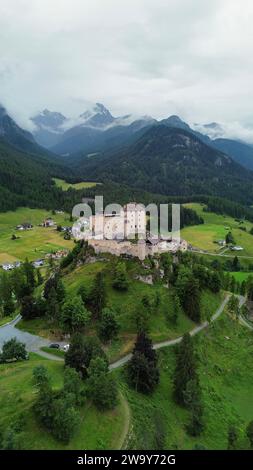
x=32, y=244
x=215, y=228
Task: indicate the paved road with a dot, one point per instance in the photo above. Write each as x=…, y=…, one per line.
x=235, y=253
x=33, y=343
x=172, y=342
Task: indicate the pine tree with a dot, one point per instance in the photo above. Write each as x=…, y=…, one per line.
x=215, y=282
x=232, y=438
x=249, y=433
x=144, y=346
x=39, y=278
x=102, y=387
x=97, y=298
x=192, y=399
x=188, y=292
x=82, y=291
x=185, y=368
x=191, y=302
x=29, y=272
x=232, y=284
x=6, y=297
x=82, y=349
x=28, y=307
x=243, y=288
x=53, y=308
x=120, y=280
x=233, y=306
x=142, y=369
x=236, y=264
x=175, y=310
x=108, y=325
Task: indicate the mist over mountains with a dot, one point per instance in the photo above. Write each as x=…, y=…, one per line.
x=97, y=130
x=166, y=157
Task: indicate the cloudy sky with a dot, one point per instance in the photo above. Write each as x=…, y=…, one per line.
x=193, y=58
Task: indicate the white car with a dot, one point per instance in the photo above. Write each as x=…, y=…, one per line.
x=66, y=347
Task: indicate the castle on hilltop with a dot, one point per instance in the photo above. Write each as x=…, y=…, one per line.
x=124, y=232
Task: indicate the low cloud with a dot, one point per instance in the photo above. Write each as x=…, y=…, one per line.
x=185, y=57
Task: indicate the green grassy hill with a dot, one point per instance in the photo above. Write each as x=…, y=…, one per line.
x=226, y=375
x=17, y=393
x=127, y=305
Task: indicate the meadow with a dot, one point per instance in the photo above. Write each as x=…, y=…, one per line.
x=127, y=305
x=82, y=185
x=224, y=354
x=17, y=393
x=34, y=243
x=215, y=228
x=241, y=276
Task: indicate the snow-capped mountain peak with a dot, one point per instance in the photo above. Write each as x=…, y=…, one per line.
x=98, y=116
x=49, y=120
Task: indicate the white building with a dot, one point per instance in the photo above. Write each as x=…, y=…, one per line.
x=135, y=220
x=121, y=225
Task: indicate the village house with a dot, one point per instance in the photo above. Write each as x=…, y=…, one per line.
x=58, y=254
x=10, y=266
x=222, y=242
x=48, y=223
x=38, y=263
x=25, y=226
x=66, y=229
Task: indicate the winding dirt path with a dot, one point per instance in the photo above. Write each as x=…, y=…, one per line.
x=121, y=362
x=172, y=342
x=127, y=422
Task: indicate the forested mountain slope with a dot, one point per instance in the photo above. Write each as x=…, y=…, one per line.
x=172, y=161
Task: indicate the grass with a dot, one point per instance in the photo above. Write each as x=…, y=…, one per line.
x=241, y=276
x=53, y=351
x=215, y=228
x=7, y=319
x=226, y=375
x=34, y=243
x=65, y=186
x=40, y=327
x=126, y=305
x=17, y=393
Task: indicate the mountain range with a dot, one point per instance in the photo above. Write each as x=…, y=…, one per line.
x=172, y=161
x=96, y=130
x=165, y=157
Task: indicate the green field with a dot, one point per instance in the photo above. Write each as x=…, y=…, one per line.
x=241, y=276
x=215, y=228
x=53, y=351
x=7, y=319
x=34, y=243
x=226, y=375
x=17, y=392
x=65, y=186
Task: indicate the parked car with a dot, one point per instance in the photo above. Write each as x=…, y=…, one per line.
x=54, y=346
x=66, y=347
